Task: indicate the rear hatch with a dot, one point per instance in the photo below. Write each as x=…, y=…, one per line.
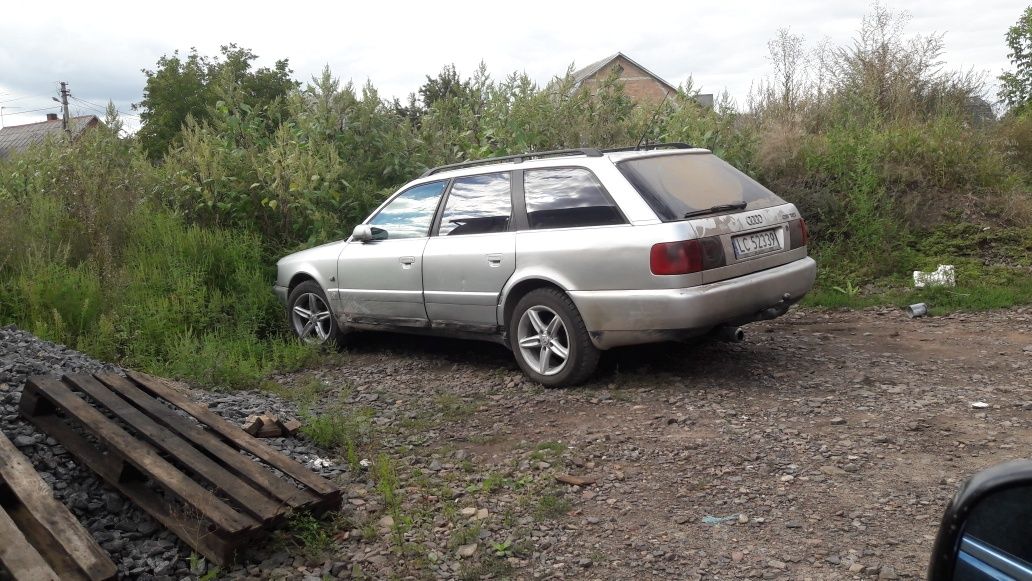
x=742, y=226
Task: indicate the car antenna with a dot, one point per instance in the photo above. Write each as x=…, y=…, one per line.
x=652, y=121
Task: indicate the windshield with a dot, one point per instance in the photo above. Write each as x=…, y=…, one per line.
x=675, y=185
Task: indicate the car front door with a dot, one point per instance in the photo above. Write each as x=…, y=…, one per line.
x=380, y=281
x=471, y=254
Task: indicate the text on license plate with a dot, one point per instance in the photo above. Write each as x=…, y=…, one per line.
x=756, y=243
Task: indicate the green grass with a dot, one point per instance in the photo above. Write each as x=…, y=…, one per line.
x=551, y=506
x=487, y=568
x=547, y=451
x=342, y=430
x=175, y=300
x=453, y=407
x=313, y=536
x=993, y=270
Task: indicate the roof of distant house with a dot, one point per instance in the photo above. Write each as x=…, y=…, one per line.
x=582, y=74
x=16, y=138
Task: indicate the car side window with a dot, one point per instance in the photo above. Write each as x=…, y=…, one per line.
x=409, y=215
x=567, y=198
x=478, y=204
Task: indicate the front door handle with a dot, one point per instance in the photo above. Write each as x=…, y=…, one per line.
x=407, y=261
x=494, y=259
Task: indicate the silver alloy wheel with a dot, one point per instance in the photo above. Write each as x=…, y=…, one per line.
x=312, y=324
x=543, y=340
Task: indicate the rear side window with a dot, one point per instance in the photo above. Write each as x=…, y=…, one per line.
x=478, y=204
x=567, y=198
x=677, y=184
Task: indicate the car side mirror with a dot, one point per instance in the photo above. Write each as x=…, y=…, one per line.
x=986, y=532
x=362, y=233
x=366, y=233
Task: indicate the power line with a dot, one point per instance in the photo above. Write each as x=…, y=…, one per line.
x=33, y=110
x=20, y=98
x=103, y=109
x=90, y=106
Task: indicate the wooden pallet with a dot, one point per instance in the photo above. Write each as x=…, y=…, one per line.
x=41, y=540
x=186, y=472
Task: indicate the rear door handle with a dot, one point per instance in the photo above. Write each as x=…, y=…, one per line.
x=494, y=259
x=407, y=261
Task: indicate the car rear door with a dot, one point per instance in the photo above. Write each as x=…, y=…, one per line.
x=380, y=281
x=471, y=254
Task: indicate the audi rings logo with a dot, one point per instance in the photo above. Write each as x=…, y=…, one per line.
x=754, y=220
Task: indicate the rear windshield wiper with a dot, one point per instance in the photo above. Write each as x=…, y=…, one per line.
x=715, y=209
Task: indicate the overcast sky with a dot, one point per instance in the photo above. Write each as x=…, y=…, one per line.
x=100, y=49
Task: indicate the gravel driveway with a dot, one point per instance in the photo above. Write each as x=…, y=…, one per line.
x=824, y=446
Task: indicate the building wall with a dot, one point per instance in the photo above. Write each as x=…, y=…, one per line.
x=639, y=85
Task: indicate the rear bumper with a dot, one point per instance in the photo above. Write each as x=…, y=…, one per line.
x=627, y=317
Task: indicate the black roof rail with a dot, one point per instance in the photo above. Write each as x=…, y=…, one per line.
x=648, y=146
x=519, y=158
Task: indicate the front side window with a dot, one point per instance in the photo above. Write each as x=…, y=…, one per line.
x=478, y=204
x=409, y=215
x=567, y=198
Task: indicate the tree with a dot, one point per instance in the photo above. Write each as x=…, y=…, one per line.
x=788, y=57
x=1016, y=86
x=190, y=86
x=177, y=88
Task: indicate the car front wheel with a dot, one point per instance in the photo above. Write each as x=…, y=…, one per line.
x=309, y=314
x=549, y=339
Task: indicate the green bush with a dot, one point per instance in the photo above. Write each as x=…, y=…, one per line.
x=126, y=280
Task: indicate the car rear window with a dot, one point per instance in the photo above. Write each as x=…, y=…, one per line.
x=680, y=183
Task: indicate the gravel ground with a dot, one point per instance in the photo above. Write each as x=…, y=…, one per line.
x=824, y=446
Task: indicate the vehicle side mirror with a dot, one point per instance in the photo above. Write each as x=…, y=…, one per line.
x=362, y=233
x=986, y=532
x=366, y=233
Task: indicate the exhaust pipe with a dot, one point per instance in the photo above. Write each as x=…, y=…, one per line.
x=731, y=334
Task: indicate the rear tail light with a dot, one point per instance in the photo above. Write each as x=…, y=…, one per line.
x=798, y=234
x=687, y=256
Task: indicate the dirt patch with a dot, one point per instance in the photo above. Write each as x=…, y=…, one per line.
x=824, y=441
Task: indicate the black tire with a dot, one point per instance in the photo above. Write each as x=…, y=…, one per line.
x=323, y=331
x=582, y=355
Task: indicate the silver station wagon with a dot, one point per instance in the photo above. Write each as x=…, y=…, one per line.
x=560, y=255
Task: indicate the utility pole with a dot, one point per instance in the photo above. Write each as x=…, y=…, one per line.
x=64, y=104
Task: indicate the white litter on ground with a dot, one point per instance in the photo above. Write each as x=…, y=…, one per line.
x=945, y=275
x=318, y=462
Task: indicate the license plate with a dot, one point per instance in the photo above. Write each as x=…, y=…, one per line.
x=756, y=243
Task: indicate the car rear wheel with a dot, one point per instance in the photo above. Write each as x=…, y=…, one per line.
x=310, y=316
x=549, y=339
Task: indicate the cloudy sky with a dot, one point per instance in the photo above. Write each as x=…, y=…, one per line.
x=100, y=50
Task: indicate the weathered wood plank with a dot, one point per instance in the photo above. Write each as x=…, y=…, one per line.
x=140, y=455
x=191, y=528
x=238, y=463
x=251, y=500
x=238, y=437
x=47, y=522
x=19, y=557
